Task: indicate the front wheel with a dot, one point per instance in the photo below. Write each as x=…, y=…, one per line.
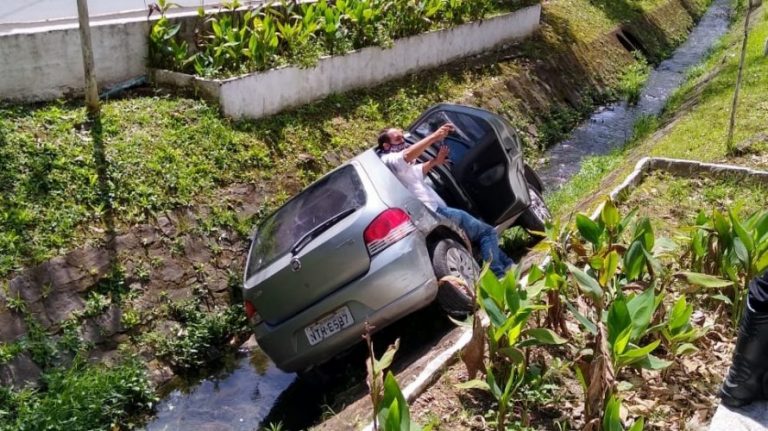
x=537, y=214
x=455, y=294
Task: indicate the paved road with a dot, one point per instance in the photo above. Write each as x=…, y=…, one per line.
x=25, y=11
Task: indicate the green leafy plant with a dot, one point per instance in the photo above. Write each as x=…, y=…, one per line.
x=729, y=247
x=84, y=396
x=633, y=79
x=508, y=306
x=612, y=418
x=677, y=332
x=390, y=409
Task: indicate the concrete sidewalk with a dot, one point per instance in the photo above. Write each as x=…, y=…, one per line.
x=752, y=417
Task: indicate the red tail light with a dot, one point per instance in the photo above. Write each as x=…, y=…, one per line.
x=250, y=312
x=386, y=229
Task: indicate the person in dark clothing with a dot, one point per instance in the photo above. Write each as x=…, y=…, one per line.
x=747, y=379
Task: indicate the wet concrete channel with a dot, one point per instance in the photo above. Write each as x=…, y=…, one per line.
x=250, y=393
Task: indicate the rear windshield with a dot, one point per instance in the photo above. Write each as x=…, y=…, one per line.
x=339, y=192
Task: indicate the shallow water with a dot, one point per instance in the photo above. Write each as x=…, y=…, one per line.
x=234, y=400
x=611, y=126
x=242, y=398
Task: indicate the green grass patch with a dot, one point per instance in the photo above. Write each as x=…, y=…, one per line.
x=584, y=183
x=633, y=79
x=701, y=133
x=83, y=397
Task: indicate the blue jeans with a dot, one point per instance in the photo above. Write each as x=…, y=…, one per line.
x=482, y=234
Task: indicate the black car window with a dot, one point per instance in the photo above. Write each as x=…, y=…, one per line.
x=338, y=192
x=469, y=131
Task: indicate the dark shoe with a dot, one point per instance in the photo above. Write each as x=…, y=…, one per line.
x=746, y=377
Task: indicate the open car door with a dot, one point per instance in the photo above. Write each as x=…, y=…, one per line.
x=485, y=174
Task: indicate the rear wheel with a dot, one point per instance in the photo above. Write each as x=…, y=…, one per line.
x=456, y=293
x=537, y=214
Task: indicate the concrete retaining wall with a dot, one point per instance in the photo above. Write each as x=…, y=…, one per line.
x=260, y=94
x=44, y=64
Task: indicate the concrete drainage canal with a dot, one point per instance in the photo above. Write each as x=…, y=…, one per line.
x=251, y=393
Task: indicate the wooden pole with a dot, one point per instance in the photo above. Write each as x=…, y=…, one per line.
x=91, y=89
x=732, y=124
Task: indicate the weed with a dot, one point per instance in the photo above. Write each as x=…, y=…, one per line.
x=205, y=336
x=82, y=397
x=633, y=79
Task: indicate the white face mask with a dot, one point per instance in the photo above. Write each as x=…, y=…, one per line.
x=397, y=148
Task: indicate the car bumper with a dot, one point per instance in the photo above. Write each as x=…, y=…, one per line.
x=399, y=281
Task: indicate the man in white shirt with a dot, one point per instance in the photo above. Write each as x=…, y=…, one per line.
x=402, y=160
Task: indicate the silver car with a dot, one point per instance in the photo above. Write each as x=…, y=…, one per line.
x=356, y=246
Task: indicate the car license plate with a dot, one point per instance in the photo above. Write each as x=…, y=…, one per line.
x=328, y=326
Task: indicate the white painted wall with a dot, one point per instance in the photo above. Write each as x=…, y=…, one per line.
x=266, y=93
x=47, y=63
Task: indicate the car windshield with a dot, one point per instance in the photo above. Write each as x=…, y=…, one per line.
x=338, y=193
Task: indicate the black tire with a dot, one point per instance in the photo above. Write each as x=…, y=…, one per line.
x=533, y=219
x=450, y=258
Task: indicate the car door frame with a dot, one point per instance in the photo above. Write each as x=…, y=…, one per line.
x=515, y=172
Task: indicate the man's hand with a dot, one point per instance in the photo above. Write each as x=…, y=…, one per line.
x=443, y=131
x=442, y=155
x=414, y=151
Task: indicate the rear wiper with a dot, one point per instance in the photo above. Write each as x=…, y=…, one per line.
x=317, y=230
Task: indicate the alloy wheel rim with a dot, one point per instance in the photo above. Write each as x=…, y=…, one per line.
x=461, y=265
x=538, y=207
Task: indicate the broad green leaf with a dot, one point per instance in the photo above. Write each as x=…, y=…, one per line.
x=634, y=260
x=386, y=358
x=633, y=353
x=589, y=326
x=621, y=342
x=641, y=308
x=474, y=384
x=761, y=262
x=514, y=354
x=638, y=425
x=612, y=416
x=398, y=415
x=618, y=320
x=705, y=280
x=609, y=215
x=590, y=230
x=587, y=284
x=498, y=319
x=722, y=227
x=651, y=362
x=686, y=349
x=741, y=252
x=545, y=336
x=680, y=314
x=609, y=270
x=491, y=285
x=494, y=387
x=644, y=232
x=535, y=274
x=744, y=236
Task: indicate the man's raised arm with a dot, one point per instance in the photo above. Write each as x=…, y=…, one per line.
x=414, y=151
